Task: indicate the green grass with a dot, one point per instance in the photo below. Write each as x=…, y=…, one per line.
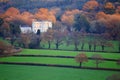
x=17, y=72
x=64, y=46
x=20, y=72
x=59, y=61
x=68, y=53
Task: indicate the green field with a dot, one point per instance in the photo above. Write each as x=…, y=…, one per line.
x=13, y=72
x=68, y=53
x=28, y=72
x=64, y=46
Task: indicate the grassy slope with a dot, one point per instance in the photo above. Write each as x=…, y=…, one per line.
x=15, y=72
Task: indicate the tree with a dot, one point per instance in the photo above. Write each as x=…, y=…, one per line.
x=91, y=5
x=48, y=36
x=1, y=21
x=68, y=18
x=58, y=38
x=58, y=34
x=109, y=8
x=5, y=49
x=1, y=28
x=80, y=58
x=38, y=38
x=98, y=59
x=98, y=27
x=15, y=31
x=26, y=39
x=81, y=23
x=45, y=14
x=74, y=36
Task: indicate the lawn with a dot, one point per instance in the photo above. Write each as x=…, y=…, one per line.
x=15, y=72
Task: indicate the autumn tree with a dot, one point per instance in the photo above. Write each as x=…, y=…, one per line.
x=26, y=18
x=5, y=49
x=74, y=36
x=109, y=8
x=68, y=18
x=81, y=23
x=45, y=14
x=59, y=34
x=1, y=22
x=26, y=39
x=15, y=31
x=98, y=27
x=48, y=36
x=91, y=5
x=80, y=58
x=98, y=59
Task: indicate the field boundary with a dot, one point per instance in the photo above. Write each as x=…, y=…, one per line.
x=55, y=65
x=31, y=55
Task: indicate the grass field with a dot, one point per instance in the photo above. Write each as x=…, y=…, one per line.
x=15, y=72
x=64, y=46
x=27, y=72
x=68, y=53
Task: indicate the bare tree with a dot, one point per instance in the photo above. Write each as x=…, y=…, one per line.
x=26, y=39
x=48, y=37
x=80, y=58
x=98, y=59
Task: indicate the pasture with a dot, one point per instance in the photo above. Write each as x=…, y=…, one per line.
x=55, y=57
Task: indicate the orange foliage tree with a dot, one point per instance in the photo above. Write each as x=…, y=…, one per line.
x=80, y=58
x=91, y=5
x=5, y=48
x=68, y=18
x=45, y=14
x=109, y=8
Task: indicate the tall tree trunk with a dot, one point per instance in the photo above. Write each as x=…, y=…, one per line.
x=94, y=47
x=82, y=47
x=80, y=64
x=119, y=46
x=57, y=46
x=49, y=44
x=90, y=46
x=102, y=47
x=97, y=63
x=76, y=48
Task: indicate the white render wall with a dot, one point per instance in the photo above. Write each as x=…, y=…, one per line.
x=41, y=25
x=25, y=29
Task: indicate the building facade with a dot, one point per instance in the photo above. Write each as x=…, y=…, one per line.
x=25, y=29
x=41, y=25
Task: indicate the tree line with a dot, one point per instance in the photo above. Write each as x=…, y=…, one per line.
x=97, y=20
